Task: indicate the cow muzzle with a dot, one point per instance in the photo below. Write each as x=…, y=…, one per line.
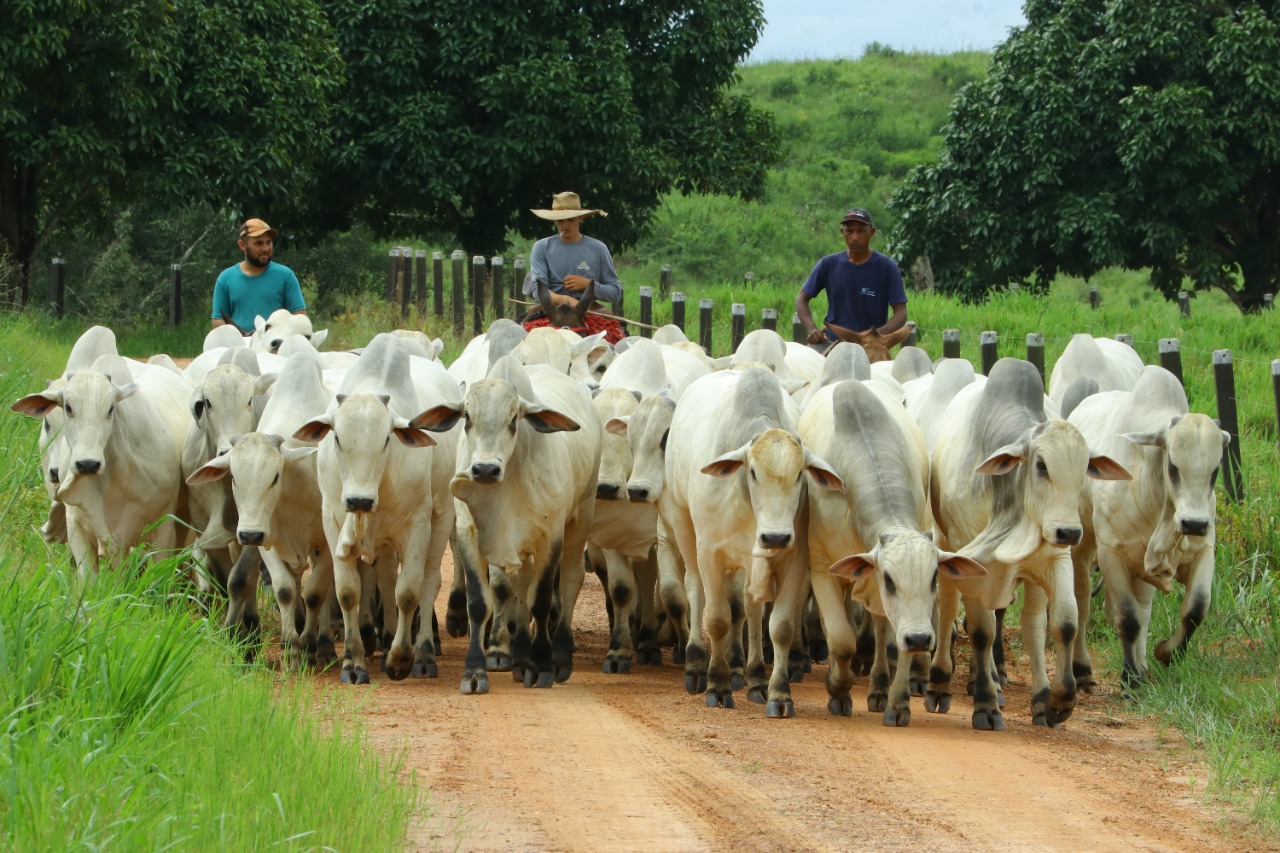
x=776, y=540
x=486, y=472
x=1193, y=526
x=355, y=504
x=608, y=491
x=88, y=466
x=251, y=537
x=1067, y=536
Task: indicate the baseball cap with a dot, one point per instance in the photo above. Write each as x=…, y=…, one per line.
x=257, y=228
x=857, y=214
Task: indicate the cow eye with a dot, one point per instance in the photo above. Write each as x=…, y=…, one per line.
x=889, y=586
x=1041, y=468
x=933, y=582
x=514, y=423
x=337, y=443
x=1213, y=478
x=753, y=475
x=276, y=480
x=70, y=413
x=386, y=443
x=1173, y=473
x=111, y=411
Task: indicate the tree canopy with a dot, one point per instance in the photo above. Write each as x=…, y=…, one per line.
x=1112, y=133
x=104, y=103
x=461, y=115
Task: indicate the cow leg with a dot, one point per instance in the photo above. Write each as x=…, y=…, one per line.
x=316, y=638
x=828, y=593
x=572, y=573
x=1195, y=604
x=792, y=590
x=756, y=672
x=881, y=671
x=735, y=652
x=1034, y=626
x=621, y=586
x=399, y=655
x=672, y=593
x=455, y=616
x=864, y=657
x=897, y=710
x=386, y=621
x=814, y=631
x=1082, y=663
x=937, y=698
x=986, y=704
x=427, y=645
x=719, y=624
x=684, y=544
x=1123, y=601
x=508, y=615
x=466, y=558
x=541, y=670
x=241, y=586
x=1063, y=612
x=646, y=635
x=349, y=584
x=285, y=586
x=368, y=592
x=997, y=650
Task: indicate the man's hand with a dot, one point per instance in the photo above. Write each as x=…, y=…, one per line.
x=576, y=283
x=816, y=336
x=562, y=299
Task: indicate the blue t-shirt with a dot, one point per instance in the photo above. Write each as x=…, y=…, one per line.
x=239, y=298
x=858, y=295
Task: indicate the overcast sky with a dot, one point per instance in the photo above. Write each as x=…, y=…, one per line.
x=831, y=29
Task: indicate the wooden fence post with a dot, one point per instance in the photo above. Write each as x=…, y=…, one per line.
x=478, y=282
x=1035, y=352
x=990, y=355
x=1126, y=339
x=175, y=296
x=797, y=330
x=677, y=310
x=737, y=324
x=1224, y=382
x=1171, y=357
x=437, y=283
x=393, y=262
x=404, y=279
x=1094, y=299
x=499, y=287
x=664, y=281
x=420, y=282
x=1268, y=301
x=458, y=259
x=58, y=287
x=910, y=339
x=769, y=319
x=517, y=286
x=704, y=324
x=749, y=279
x=951, y=343
x=1275, y=391
x=1184, y=303
x=646, y=311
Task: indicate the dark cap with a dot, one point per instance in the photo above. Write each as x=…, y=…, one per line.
x=857, y=214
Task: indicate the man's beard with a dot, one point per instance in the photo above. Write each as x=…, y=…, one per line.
x=254, y=262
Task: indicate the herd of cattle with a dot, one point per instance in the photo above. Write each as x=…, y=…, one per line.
x=738, y=499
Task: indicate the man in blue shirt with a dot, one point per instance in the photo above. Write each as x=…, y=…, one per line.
x=862, y=285
x=256, y=286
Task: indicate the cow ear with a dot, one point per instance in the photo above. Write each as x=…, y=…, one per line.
x=214, y=469
x=728, y=464
x=958, y=566
x=1002, y=461
x=293, y=454
x=791, y=387
x=441, y=418
x=260, y=324
x=1106, y=468
x=1147, y=439
x=414, y=438
x=822, y=473
x=544, y=419
x=264, y=382
x=317, y=338
x=315, y=429
x=897, y=336
x=852, y=567
x=126, y=391
x=617, y=426
x=37, y=405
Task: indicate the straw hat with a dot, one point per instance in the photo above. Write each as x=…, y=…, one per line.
x=566, y=205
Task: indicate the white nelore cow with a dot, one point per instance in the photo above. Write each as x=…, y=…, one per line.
x=383, y=488
x=270, y=332
x=927, y=397
x=1160, y=526
x=278, y=503
x=95, y=342
x=1104, y=364
x=525, y=488
x=1019, y=520
x=733, y=506
x=120, y=461
x=878, y=533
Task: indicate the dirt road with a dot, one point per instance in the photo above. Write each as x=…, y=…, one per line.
x=632, y=762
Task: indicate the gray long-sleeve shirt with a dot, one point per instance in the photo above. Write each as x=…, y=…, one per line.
x=552, y=259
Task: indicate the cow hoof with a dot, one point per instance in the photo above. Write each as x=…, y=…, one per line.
x=937, y=703
x=719, y=698
x=561, y=670
x=455, y=618
x=1163, y=652
x=395, y=673
x=999, y=697
x=436, y=648
x=355, y=675
x=425, y=669
x=475, y=683
x=840, y=706
x=1055, y=717
x=326, y=653
x=695, y=683
x=649, y=657
x=968, y=688
x=617, y=665
x=737, y=681
x=497, y=662
x=542, y=680
x=780, y=709
x=988, y=720
x=877, y=701
x=897, y=717
x=757, y=694
x=918, y=685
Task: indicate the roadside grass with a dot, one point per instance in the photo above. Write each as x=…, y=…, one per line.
x=128, y=722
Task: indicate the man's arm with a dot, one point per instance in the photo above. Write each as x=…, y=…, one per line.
x=814, y=334
x=897, y=321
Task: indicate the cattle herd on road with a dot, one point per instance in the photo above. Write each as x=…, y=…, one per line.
x=737, y=509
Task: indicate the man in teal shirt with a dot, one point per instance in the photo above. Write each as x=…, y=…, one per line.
x=256, y=286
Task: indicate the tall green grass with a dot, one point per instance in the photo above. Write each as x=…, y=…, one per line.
x=127, y=723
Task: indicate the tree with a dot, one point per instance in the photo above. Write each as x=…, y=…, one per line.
x=109, y=102
x=1112, y=133
x=461, y=115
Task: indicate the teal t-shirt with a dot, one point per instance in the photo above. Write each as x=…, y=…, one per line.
x=239, y=298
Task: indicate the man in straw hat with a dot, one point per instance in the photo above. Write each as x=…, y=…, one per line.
x=257, y=285
x=569, y=261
